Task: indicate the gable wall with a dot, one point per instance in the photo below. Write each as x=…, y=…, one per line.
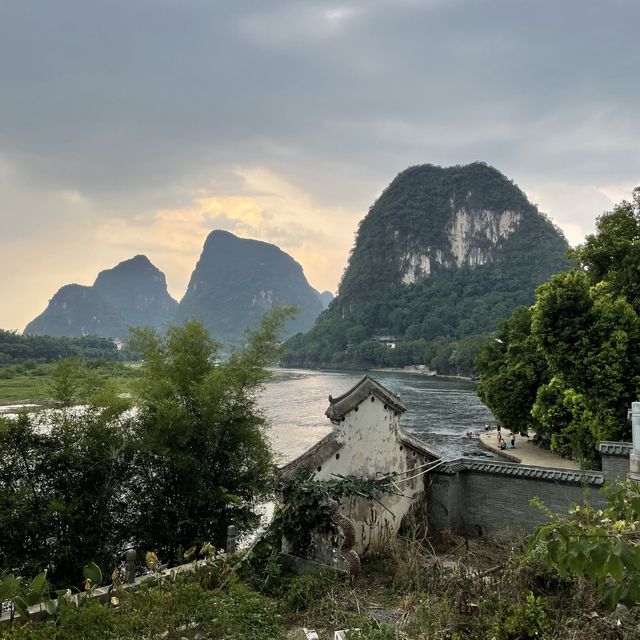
x=370, y=438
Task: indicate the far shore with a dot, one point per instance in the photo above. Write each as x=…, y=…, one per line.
x=423, y=372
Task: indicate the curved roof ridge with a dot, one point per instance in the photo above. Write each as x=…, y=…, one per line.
x=341, y=405
x=413, y=441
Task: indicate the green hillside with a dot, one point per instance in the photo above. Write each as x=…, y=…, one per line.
x=441, y=257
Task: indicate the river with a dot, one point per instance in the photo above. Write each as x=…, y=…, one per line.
x=439, y=410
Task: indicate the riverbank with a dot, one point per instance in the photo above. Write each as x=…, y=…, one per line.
x=430, y=373
x=525, y=452
x=28, y=384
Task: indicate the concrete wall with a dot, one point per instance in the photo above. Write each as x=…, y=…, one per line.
x=477, y=498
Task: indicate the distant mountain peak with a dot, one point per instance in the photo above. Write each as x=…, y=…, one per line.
x=138, y=260
x=237, y=279
x=133, y=293
x=138, y=264
x=221, y=234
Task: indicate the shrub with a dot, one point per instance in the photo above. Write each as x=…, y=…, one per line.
x=180, y=609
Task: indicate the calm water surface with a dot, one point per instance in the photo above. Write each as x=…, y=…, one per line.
x=439, y=410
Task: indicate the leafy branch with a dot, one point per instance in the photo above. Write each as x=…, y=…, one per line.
x=601, y=544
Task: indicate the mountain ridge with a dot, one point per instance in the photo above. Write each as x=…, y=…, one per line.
x=441, y=256
x=243, y=278
x=234, y=282
x=133, y=293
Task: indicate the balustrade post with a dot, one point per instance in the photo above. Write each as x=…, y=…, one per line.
x=231, y=539
x=130, y=566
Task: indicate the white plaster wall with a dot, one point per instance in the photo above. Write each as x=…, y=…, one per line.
x=370, y=444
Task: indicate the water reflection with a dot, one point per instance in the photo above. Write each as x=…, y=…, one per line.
x=439, y=410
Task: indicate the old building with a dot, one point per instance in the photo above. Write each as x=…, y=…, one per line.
x=470, y=496
x=367, y=441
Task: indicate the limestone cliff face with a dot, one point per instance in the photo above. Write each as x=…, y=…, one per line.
x=469, y=230
x=472, y=238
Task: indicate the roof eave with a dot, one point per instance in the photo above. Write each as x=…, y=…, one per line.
x=366, y=386
x=413, y=442
x=313, y=457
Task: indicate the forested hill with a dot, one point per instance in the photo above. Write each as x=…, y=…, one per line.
x=16, y=349
x=133, y=293
x=237, y=279
x=442, y=255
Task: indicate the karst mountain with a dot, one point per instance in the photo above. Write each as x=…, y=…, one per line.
x=442, y=256
x=236, y=280
x=133, y=293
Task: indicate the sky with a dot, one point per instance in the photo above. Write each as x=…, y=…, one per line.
x=139, y=126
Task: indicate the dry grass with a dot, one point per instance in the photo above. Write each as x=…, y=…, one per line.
x=464, y=589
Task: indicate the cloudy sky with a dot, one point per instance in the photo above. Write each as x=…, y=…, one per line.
x=138, y=126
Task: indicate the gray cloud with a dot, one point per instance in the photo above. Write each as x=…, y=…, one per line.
x=137, y=104
x=132, y=95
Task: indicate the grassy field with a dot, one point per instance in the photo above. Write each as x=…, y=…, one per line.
x=32, y=383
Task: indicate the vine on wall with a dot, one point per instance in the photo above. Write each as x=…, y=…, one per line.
x=305, y=507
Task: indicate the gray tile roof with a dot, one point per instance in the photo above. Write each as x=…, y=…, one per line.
x=521, y=471
x=415, y=443
x=312, y=458
x=616, y=448
x=340, y=406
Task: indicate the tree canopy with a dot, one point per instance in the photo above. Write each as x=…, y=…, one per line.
x=169, y=469
x=569, y=366
x=612, y=255
x=16, y=348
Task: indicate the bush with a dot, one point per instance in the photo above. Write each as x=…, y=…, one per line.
x=178, y=609
x=524, y=620
x=309, y=590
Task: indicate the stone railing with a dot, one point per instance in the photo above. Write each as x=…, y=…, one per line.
x=131, y=582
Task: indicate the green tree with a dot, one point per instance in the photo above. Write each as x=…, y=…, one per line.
x=82, y=485
x=205, y=457
x=589, y=338
x=465, y=353
x=570, y=365
x=612, y=255
x=66, y=382
x=512, y=368
x=66, y=482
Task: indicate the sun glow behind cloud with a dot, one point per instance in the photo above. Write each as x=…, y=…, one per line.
x=116, y=120
x=270, y=209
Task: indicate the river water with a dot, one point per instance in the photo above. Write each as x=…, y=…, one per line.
x=439, y=410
